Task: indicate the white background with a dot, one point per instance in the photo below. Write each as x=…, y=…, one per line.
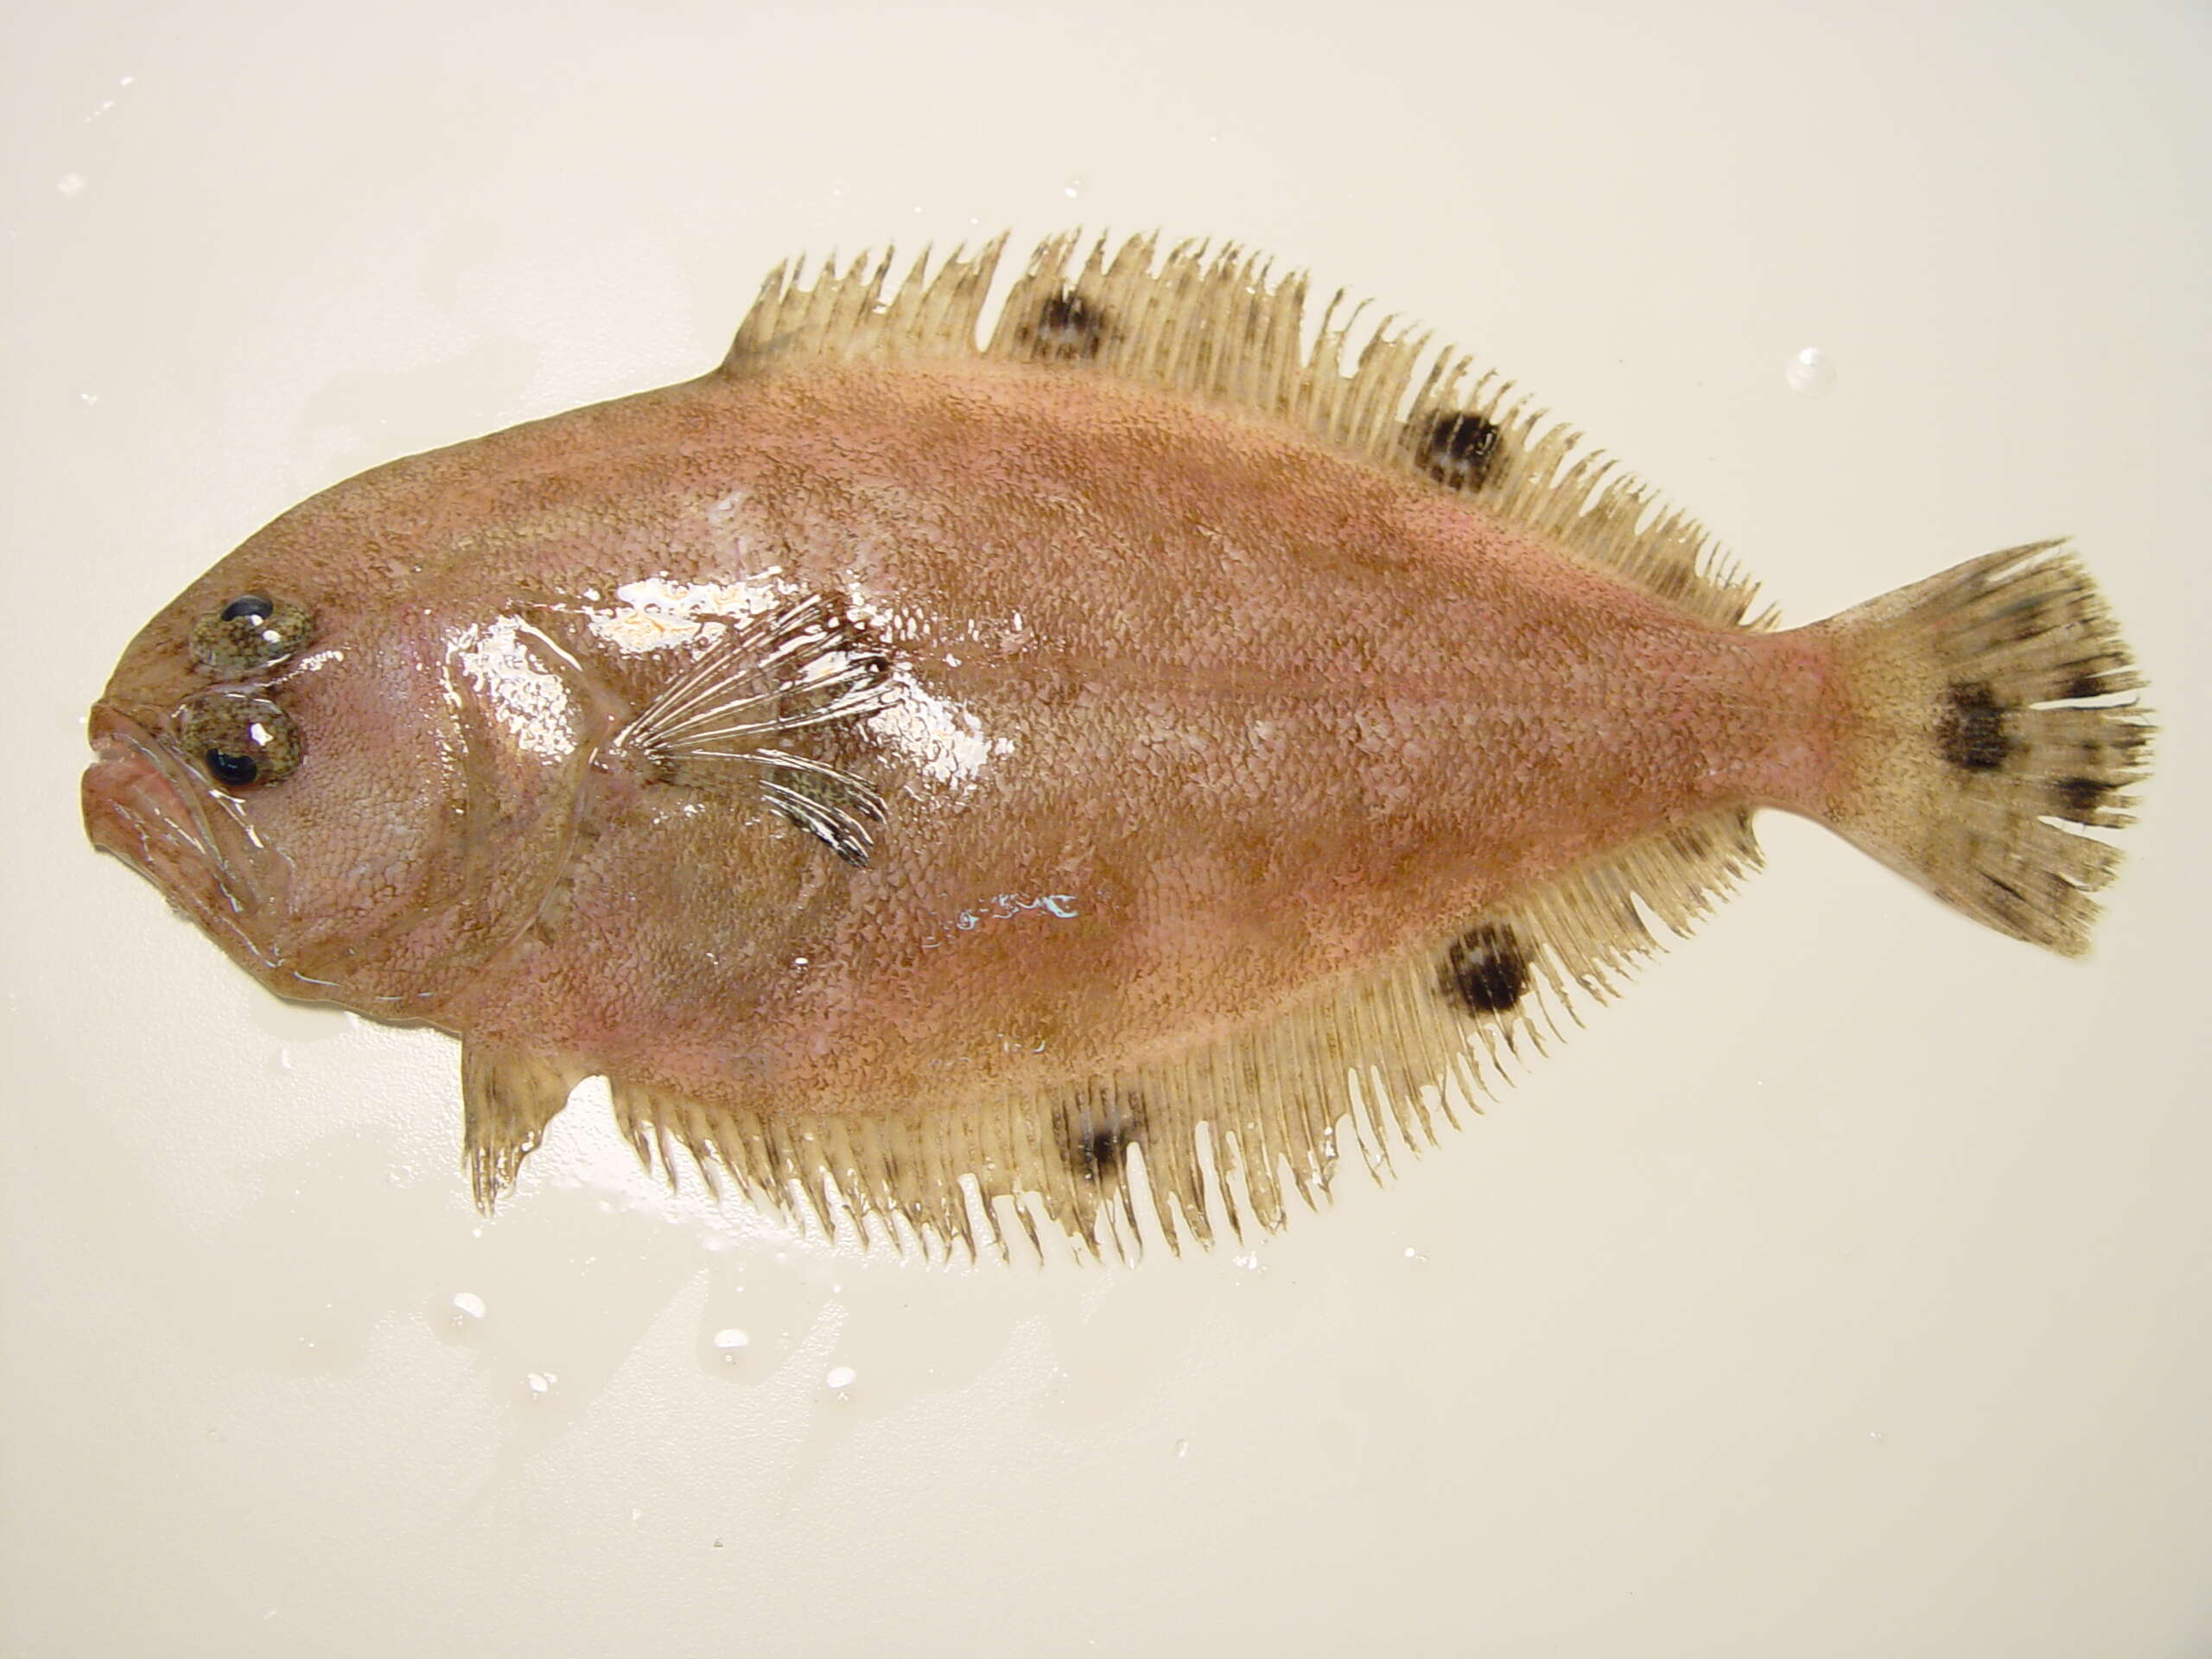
x=1843, y=1290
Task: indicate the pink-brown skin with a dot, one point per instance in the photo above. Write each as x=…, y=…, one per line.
x=1258, y=717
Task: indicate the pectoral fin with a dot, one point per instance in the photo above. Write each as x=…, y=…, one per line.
x=738, y=716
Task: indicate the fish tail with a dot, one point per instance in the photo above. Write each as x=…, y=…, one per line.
x=1990, y=716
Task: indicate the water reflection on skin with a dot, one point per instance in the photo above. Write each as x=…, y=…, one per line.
x=932, y=736
x=502, y=661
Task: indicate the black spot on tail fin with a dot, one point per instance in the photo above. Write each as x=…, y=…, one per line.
x=1970, y=731
x=2081, y=799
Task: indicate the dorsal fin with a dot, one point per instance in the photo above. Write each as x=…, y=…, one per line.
x=1222, y=327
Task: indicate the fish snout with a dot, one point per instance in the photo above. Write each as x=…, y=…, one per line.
x=143, y=803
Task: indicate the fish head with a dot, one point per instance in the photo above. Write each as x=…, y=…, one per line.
x=286, y=752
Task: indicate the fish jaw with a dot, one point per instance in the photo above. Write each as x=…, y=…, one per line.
x=142, y=803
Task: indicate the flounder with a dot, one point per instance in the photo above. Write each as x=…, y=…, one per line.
x=957, y=788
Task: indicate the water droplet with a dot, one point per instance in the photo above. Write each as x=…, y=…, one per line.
x=88, y=399
x=1810, y=373
x=730, y=1341
x=636, y=1515
x=1075, y=186
x=1413, y=1254
x=71, y=184
x=469, y=1304
x=841, y=1377
x=1249, y=1261
x=400, y=1174
x=1182, y=1448
x=541, y=1383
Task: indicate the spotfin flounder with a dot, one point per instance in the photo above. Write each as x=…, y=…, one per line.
x=947, y=789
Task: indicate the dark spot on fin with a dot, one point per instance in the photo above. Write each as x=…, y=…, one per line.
x=1487, y=972
x=2085, y=685
x=2080, y=797
x=1458, y=449
x=1098, y=1128
x=1972, y=732
x=1069, y=328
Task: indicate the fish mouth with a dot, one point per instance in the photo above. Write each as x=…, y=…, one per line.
x=143, y=803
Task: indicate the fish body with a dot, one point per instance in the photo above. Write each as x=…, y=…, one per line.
x=919, y=776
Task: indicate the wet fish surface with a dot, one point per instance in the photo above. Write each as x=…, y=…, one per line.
x=1063, y=782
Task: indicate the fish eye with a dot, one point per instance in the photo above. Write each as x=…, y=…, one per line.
x=240, y=741
x=251, y=631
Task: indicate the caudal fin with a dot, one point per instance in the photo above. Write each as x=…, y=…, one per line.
x=1992, y=716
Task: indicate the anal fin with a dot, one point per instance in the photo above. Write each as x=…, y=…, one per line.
x=1226, y=1136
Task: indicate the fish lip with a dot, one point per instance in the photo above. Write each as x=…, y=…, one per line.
x=143, y=803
